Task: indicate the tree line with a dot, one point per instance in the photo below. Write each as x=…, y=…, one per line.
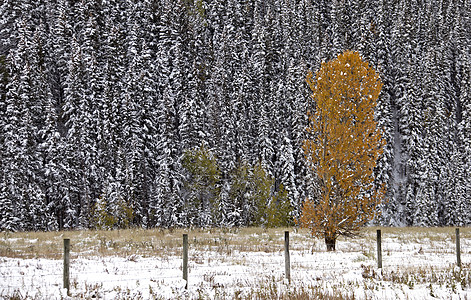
x=193, y=112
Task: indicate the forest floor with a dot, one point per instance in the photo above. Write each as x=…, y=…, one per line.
x=238, y=263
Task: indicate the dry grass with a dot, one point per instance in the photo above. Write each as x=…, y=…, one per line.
x=152, y=242
x=227, y=242
x=167, y=242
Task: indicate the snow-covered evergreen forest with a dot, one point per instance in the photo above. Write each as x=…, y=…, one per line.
x=116, y=111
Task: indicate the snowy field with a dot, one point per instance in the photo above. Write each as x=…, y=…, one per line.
x=235, y=264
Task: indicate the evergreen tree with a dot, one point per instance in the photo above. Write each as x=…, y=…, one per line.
x=201, y=187
x=107, y=95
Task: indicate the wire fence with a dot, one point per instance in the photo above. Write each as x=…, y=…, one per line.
x=16, y=274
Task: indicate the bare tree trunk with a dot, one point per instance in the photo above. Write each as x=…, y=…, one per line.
x=330, y=243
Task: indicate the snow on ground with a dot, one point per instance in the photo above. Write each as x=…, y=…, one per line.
x=412, y=269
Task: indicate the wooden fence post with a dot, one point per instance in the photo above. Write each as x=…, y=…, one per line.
x=185, y=259
x=67, y=265
x=287, y=262
x=458, y=250
x=378, y=247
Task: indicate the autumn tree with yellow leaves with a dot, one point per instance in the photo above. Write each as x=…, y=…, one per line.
x=343, y=145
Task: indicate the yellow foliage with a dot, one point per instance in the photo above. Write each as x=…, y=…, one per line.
x=343, y=146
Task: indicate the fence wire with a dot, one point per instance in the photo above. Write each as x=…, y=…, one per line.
x=250, y=266
x=247, y=263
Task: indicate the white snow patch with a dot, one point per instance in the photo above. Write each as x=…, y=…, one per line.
x=351, y=269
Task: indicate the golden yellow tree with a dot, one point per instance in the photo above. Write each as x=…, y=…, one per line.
x=342, y=149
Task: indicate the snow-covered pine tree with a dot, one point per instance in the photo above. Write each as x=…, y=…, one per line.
x=76, y=117
x=261, y=77
x=140, y=127
x=10, y=12
x=26, y=93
